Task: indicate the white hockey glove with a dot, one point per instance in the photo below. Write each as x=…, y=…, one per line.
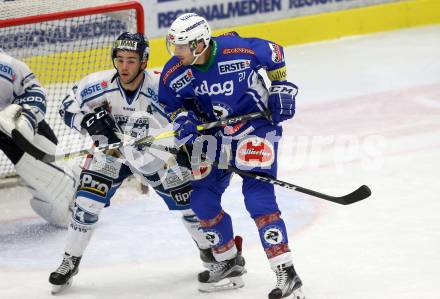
x=8, y=117
x=27, y=122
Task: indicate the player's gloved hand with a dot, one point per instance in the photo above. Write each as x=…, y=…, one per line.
x=185, y=125
x=101, y=126
x=281, y=100
x=27, y=122
x=8, y=117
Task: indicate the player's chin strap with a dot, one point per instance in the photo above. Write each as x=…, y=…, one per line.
x=197, y=56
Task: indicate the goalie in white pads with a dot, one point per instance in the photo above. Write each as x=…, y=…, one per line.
x=23, y=107
x=109, y=106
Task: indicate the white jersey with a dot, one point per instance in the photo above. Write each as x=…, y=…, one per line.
x=17, y=80
x=137, y=116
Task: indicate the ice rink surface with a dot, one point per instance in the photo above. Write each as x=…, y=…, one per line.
x=368, y=112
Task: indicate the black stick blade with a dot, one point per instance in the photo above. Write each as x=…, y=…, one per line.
x=357, y=195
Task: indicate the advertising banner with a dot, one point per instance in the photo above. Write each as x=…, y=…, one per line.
x=159, y=14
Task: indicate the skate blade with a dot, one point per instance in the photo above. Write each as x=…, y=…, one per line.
x=229, y=283
x=298, y=294
x=56, y=289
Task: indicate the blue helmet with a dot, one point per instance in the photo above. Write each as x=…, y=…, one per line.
x=132, y=42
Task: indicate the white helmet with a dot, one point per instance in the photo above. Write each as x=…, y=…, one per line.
x=189, y=29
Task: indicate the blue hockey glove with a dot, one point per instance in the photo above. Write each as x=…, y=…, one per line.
x=281, y=100
x=185, y=124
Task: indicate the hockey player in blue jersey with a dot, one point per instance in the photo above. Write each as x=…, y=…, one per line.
x=210, y=78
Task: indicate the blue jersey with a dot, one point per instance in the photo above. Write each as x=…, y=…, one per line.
x=228, y=85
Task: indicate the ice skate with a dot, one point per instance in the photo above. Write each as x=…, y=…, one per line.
x=288, y=284
x=224, y=275
x=62, y=277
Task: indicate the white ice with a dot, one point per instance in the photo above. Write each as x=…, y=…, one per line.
x=368, y=112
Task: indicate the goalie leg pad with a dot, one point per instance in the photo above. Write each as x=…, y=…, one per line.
x=52, y=189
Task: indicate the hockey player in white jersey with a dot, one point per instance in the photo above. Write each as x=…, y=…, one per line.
x=23, y=108
x=109, y=106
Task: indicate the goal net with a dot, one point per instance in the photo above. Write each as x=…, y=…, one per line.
x=63, y=41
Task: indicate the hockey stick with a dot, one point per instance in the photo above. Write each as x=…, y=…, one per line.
x=357, y=195
x=39, y=154
x=219, y=123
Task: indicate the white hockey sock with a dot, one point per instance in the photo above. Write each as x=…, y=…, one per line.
x=285, y=258
x=192, y=225
x=226, y=255
x=82, y=224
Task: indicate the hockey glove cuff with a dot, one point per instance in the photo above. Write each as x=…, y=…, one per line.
x=27, y=122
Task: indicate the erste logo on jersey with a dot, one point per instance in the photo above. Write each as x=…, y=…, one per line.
x=7, y=72
x=225, y=88
x=232, y=66
x=255, y=152
x=93, y=89
x=182, y=80
x=277, y=53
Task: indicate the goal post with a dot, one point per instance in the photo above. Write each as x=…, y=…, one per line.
x=61, y=42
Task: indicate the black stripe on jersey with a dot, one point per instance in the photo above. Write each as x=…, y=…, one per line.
x=33, y=86
x=24, y=79
x=3, y=76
